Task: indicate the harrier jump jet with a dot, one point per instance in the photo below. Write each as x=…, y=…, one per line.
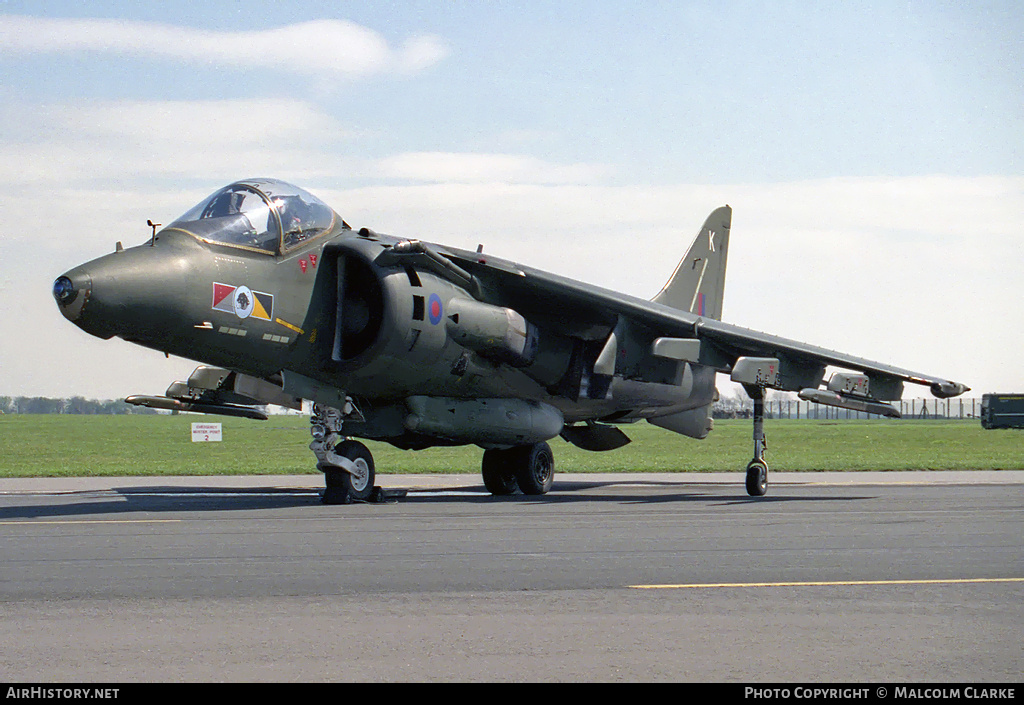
x=419, y=344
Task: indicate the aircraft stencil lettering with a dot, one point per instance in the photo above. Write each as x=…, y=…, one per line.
x=423, y=345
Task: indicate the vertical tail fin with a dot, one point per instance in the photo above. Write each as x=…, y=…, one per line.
x=698, y=284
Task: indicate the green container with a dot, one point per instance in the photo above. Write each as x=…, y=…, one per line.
x=1002, y=411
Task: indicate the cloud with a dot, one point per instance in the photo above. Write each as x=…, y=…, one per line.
x=915, y=272
x=218, y=139
x=909, y=271
x=912, y=271
x=466, y=167
x=321, y=46
x=229, y=139
x=200, y=123
x=972, y=214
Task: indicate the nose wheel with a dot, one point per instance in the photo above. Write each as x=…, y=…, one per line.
x=354, y=479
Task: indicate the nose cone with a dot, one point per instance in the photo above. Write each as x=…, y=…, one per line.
x=94, y=295
x=131, y=293
x=71, y=290
x=76, y=299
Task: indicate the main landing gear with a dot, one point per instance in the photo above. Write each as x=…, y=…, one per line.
x=349, y=473
x=757, y=469
x=528, y=468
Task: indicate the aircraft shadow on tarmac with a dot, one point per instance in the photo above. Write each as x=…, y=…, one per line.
x=162, y=499
x=567, y=491
x=165, y=499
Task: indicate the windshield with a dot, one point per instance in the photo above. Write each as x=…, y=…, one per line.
x=258, y=214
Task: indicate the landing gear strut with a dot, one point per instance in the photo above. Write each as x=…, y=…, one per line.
x=347, y=465
x=757, y=469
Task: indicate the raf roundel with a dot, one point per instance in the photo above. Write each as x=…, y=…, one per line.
x=434, y=309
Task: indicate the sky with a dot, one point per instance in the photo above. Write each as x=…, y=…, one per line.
x=871, y=151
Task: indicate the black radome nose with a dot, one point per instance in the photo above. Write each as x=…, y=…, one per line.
x=71, y=290
x=63, y=290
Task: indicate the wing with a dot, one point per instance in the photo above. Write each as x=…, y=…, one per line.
x=592, y=312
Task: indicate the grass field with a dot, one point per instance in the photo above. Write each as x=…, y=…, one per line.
x=72, y=445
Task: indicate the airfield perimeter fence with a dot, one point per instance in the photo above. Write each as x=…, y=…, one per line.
x=729, y=407
x=910, y=409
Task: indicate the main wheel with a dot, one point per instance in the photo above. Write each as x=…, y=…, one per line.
x=757, y=478
x=534, y=468
x=344, y=486
x=496, y=468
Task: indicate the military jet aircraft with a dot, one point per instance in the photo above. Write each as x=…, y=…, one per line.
x=421, y=345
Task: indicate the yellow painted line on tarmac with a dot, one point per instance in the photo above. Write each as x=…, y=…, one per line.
x=29, y=522
x=829, y=583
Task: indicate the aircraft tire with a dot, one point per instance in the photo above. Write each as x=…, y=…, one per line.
x=757, y=478
x=534, y=468
x=343, y=486
x=496, y=469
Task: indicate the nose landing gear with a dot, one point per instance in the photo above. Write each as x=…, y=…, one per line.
x=347, y=465
x=353, y=480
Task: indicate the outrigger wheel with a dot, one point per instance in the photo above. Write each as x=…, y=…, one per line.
x=757, y=478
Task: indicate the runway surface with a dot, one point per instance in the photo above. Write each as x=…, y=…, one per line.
x=888, y=577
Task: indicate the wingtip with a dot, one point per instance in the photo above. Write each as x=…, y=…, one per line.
x=945, y=390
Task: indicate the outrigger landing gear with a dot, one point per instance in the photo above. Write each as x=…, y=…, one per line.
x=757, y=469
x=347, y=465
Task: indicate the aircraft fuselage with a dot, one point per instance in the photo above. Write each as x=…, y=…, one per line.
x=420, y=345
x=276, y=316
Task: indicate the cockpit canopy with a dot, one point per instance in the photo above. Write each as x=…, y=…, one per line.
x=264, y=215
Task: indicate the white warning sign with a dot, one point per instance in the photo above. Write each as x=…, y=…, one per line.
x=202, y=432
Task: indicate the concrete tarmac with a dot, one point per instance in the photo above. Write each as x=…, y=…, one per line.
x=424, y=481
x=862, y=577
